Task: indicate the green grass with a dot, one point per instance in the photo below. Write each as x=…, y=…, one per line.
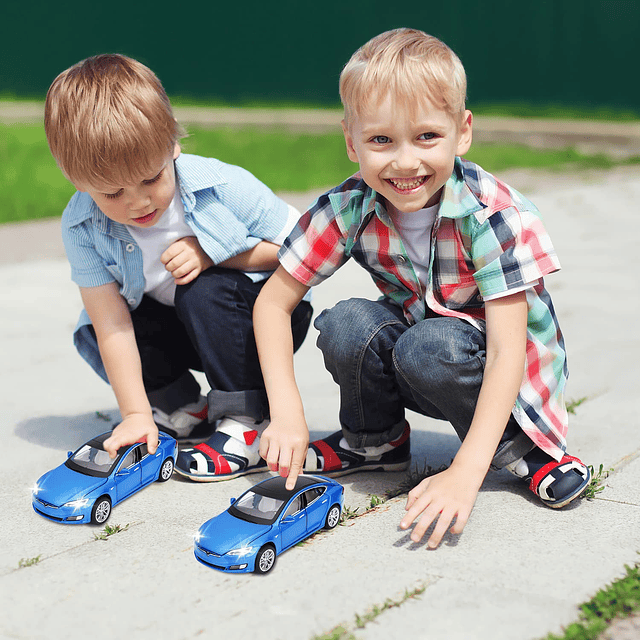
x=617, y=600
x=32, y=187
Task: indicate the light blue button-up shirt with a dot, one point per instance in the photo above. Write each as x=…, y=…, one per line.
x=228, y=209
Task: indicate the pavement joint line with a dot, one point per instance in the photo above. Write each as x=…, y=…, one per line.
x=631, y=504
x=64, y=551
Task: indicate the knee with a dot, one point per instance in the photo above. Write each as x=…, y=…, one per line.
x=434, y=346
x=211, y=288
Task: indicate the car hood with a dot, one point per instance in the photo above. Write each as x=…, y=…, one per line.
x=62, y=485
x=226, y=532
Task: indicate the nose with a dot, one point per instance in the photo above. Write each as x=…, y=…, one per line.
x=406, y=158
x=139, y=200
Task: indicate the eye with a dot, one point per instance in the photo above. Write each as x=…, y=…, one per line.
x=381, y=139
x=428, y=136
x=153, y=179
x=113, y=196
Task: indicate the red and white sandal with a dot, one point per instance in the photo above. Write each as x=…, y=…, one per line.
x=558, y=483
x=232, y=451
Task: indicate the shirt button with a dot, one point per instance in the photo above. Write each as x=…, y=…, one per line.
x=131, y=301
x=402, y=259
x=130, y=247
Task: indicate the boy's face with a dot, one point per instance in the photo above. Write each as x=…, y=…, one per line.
x=139, y=204
x=406, y=154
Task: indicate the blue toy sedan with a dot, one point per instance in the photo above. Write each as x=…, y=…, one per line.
x=89, y=483
x=266, y=520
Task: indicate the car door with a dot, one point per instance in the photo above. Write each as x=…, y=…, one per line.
x=128, y=476
x=293, y=523
x=317, y=506
x=150, y=465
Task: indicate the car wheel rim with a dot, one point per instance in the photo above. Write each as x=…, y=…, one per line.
x=266, y=560
x=102, y=512
x=167, y=470
x=334, y=516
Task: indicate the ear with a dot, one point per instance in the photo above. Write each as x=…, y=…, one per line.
x=176, y=151
x=465, y=134
x=351, y=150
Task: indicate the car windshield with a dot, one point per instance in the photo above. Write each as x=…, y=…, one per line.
x=91, y=461
x=255, y=507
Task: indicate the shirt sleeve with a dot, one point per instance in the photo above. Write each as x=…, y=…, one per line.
x=511, y=250
x=315, y=249
x=252, y=203
x=88, y=269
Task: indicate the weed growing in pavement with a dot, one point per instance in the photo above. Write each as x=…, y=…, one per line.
x=110, y=531
x=343, y=631
x=28, y=562
x=597, y=479
x=573, y=404
x=617, y=600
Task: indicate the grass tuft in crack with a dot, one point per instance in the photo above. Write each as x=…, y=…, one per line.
x=29, y=562
x=597, y=479
x=617, y=600
x=110, y=531
x=343, y=631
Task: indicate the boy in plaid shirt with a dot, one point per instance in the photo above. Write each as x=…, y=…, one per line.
x=465, y=330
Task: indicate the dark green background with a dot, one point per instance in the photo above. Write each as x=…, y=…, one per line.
x=573, y=52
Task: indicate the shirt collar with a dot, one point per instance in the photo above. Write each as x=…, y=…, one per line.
x=458, y=201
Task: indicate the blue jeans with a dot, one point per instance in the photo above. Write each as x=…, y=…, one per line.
x=210, y=329
x=384, y=366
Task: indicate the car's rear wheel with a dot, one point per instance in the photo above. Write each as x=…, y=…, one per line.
x=333, y=517
x=265, y=559
x=166, y=470
x=101, y=510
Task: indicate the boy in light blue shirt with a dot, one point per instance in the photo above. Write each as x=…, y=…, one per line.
x=170, y=252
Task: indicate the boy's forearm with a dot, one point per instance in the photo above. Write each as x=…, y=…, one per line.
x=504, y=368
x=262, y=257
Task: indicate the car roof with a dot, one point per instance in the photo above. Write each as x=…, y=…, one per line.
x=98, y=443
x=275, y=487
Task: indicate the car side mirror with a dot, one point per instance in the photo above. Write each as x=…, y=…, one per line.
x=69, y=454
x=287, y=519
x=232, y=500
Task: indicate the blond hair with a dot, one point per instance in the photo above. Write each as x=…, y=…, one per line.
x=408, y=64
x=108, y=120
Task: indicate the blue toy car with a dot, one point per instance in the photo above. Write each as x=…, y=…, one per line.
x=85, y=487
x=266, y=520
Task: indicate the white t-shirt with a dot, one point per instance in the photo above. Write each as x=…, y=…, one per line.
x=415, y=230
x=153, y=242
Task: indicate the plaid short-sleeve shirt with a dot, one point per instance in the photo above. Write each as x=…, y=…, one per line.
x=487, y=240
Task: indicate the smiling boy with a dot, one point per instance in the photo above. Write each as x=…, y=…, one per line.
x=465, y=330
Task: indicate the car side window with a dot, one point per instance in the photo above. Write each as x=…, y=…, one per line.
x=130, y=459
x=143, y=450
x=294, y=507
x=313, y=494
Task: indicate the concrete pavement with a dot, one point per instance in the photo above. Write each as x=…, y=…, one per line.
x=518, y=571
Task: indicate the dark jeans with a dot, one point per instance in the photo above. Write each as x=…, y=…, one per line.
x=383, y=366
x=210, y=329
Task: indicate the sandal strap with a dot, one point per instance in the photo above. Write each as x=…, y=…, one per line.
x=539, y=475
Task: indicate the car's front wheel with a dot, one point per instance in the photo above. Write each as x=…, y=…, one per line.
x=265, y=559
x=101, y=510
x=333, y=517
x=166, y=470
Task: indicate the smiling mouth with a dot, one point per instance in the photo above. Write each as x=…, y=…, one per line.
x=406, y=184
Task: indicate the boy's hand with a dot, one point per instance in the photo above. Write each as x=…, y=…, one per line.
x=185, y=260
x=284, y=447
x=444, y=497
x=134, y=428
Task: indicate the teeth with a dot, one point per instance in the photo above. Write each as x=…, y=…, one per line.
x=407, y=184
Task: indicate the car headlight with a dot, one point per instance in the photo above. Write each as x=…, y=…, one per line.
x=76, y=504
x=240, y=552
